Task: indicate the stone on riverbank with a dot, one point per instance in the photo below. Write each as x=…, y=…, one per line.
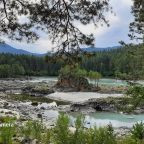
x=38, y=90
x=109, y=104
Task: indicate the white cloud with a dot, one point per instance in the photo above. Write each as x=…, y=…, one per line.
x=100, y=30
x=127, y=2
x=44, y=45
x=105, y=36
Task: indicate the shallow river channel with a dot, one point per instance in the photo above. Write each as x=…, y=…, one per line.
x=98, y=118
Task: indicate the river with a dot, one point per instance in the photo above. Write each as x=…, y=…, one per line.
x=110, y=82
x=97, y=118
x=100, y=119
x=103, y=81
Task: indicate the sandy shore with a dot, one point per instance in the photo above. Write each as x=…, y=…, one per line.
x=75, y=97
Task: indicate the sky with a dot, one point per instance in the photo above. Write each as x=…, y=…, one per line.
x=104, y=36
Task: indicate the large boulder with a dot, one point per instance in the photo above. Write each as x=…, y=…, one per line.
x=73, y=83
x=98, y=104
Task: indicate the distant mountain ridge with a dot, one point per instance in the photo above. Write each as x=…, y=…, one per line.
x=96, y=49
x=5, y=48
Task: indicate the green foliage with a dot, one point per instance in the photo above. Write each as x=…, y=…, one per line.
x=46, y=137
x=122, y=76
x=32, y=129
x=102, y=135
x=17, y=69
x=5, y=71
x=65, y=70
x=123, y=63
x=11, y=70
x=7, y=119
x=79, y=136
x=81, y=72
x=61, y=131
x=136, y=93
x=138, y=131
x=19, y=65
x=73, y=71
x=94, y=75
x=7, y=131
x=37, y=129
x=26, y=130
x=128, y=140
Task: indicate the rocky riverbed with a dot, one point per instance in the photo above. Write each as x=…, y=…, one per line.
x=27, y=99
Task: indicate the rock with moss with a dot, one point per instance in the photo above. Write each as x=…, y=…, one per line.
x=108, y=105
x=73, y=78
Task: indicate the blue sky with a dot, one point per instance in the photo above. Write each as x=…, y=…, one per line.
x=105, y=36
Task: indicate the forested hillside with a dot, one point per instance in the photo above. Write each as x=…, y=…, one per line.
x=16, y=65
x=124, y=63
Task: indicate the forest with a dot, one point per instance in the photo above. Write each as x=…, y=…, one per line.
x=25, y=65
x=124, y=63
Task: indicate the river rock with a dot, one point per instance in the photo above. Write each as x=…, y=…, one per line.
x=38, y=89
x=98, y=104
x=139, y=110
x=9, y=113
x=122, y=131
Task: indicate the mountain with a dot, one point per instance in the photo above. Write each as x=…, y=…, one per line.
x=5, y=48
x=95, y=49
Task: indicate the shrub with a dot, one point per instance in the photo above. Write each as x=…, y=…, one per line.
x=95, y=75
x=37, y=129
x=46, y=138
x=32, y=129
x=102, y=135
x=61, y=134
x=61, y=131
x=127, y=140
x=7, y=131
x=136, y=93
x=138, y=131
x=26, y=130
x=73, y=70
x=79, y=136
x=7, y=119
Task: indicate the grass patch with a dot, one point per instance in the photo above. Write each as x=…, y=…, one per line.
x=7, y=119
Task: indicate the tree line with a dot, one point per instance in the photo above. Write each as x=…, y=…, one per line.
x=20, y=65
x=124, y=63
